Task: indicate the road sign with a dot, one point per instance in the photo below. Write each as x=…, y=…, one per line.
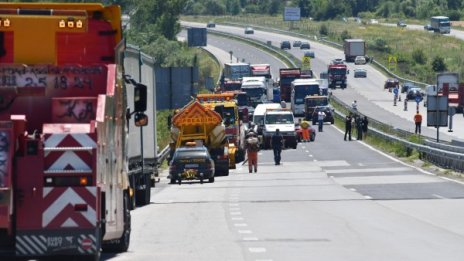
x=437, y=111
x=292, y=14
x=392, y=62
x=306, y=62
x=196, y=37
x=418, y=99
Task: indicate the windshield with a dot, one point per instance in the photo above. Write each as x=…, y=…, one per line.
x=337, y=71
x=445, y=23
x=302, y=91
x=258, y=119
x=229, y=112
x=232, y=86
x=190, y=153
x=254, y=92
x=312, y=102
x=279, y=119
x=242, y=100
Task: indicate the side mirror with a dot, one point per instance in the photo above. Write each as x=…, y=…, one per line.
x=140, y=119
x=140, y=98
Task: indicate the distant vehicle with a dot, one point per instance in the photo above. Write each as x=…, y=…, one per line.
x=300, y=89
x=353, y=48
x=406, y=86
x=401, y=24
x=305, y=45
x=337, y=61
x=440, y=24
x=329, y=114
x=296, y=43
x=309, y=54
x=360, y=73
x=415, y=92
x=190, y=163
x=337, y=75
x=391, y=83
x=211, y=24
x=285, y=45
x=428, y=27
x=360, y=60
x=249, y=30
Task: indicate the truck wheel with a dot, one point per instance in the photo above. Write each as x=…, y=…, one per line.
x=312, y=137
x=179, y=181
x=173, y=181
x=211, y=180
x=201, y=180
x=143, y=195
x=226, y=172
x=121, y=244
x=332, y=122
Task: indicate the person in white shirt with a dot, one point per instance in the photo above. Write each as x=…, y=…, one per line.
x=320, y=119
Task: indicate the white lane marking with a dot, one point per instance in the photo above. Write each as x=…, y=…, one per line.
x=237, y=218
x=234, y=209
x=240, y=225
x=235, y=213
x=233, y=204
x=438, y=196
x=307, y=151
x=364, y=170
x=263, y=260
x=310, y=155
x=367, y=197
x=257, y=249
x=245, y=231
x=353, y=189
x=250, y=239
x=360, y=164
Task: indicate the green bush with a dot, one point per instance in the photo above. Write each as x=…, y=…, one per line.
x=438, y=64
x=419, y=56
x=345, y=35
x=324, y=30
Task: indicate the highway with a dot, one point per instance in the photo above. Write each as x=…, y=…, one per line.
x=372, y=99
x=329, y=200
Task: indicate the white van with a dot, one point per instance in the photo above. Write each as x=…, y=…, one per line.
x=258, y=115
x=283, y=120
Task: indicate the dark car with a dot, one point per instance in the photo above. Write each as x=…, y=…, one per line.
x=428, y=27
x=406, y=86
x=249, y=30
x=414, y=93
x=296, y=43
x=191, y=163
x=309, y=54
x=211, y=24
x=285, y=45
x=299, y=133
x=305, y=45
x=329, y=114
x=337, y=61
x=391, y=83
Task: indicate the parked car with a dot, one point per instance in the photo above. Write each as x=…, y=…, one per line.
x=296, y=43
x=360, y=73
x=309, y=54
x=428, y=27
x=299, y=133
x=305, y=45
x=329, y=114
x=249, y=30
x=406, y=86
x=401, y=24
x=391, y=83
x=211, y=24
x=415, y=92
x=191, y=163
x=360, y=60
x=285, y=45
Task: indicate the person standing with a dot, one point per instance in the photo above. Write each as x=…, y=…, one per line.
x=305, y=132
x=354, y=105
x=348, y=120
x=277, y=142
x=252, y=147
x=418, y=122
x=365, y=123
x=320, y=119
x=358, y=122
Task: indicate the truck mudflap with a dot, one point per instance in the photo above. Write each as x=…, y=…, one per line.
x=39, y=243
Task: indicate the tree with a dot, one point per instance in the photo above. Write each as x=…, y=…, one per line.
x=274, y=7
x=438, y=64
x=305, y=7
x=213, y=7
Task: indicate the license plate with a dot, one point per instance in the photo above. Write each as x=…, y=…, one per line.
x=339, y=82
x=191, y=165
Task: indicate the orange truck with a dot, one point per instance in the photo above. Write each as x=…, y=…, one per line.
x=64, y=190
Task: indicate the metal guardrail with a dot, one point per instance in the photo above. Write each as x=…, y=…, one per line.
x=163, y=155
x=446, y=156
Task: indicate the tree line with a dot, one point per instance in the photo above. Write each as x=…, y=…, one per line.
x=331, y=9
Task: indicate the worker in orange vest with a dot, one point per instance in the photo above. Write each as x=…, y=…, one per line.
x=252, y=147
x=418, y=122
x=305, y=131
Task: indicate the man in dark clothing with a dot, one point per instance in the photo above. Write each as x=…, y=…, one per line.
x=276, y=142
x=358, y=121
x=348, y=126
x=365, y=124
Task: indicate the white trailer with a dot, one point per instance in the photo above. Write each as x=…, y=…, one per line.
x=353, y=48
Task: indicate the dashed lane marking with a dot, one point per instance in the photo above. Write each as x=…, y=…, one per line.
x=245, y=231
x=367, y=197
x=257, y=249
x=438, y=196
x=250, y=239
x=237, y=218
x=236, y=213
x=240, y=225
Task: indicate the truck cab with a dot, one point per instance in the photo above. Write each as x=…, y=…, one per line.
x=300, y=89
x=283, y=120
x=258, y=89
x=337, y=75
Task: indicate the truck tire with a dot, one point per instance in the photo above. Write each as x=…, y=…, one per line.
x=173, y=181
x=312, y=137
x=143, y=195
x=211, y=180
x=121, y=244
